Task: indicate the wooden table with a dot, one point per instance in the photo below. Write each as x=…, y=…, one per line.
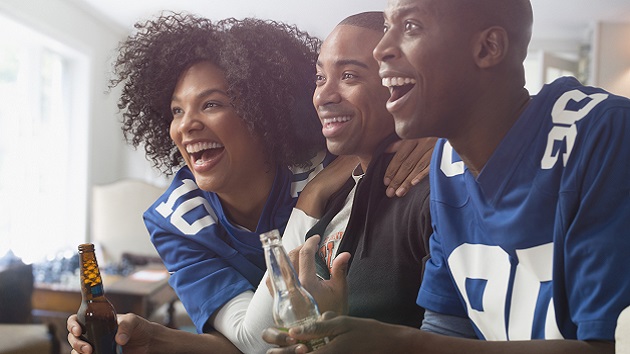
x=142, y=293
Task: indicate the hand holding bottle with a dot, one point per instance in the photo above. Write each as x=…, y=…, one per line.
x=96, y=315
x=292, y=304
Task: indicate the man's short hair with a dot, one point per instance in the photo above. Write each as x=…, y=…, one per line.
x=371, y=20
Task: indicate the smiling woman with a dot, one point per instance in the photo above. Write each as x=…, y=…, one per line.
x=227, y=108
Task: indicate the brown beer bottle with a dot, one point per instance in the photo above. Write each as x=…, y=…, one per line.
x=96, y=314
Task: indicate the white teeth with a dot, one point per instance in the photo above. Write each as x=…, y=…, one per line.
x=192, y=148
x=336, y=119
x=397, y=81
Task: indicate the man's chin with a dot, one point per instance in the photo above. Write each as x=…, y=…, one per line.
x=405, y=129
x=335, y=147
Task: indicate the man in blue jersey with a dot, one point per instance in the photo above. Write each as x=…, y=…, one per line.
x=530, y=196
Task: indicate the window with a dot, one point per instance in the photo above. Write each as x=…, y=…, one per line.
x=43, y=144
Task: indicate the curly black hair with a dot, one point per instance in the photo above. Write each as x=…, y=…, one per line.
x=269, y=67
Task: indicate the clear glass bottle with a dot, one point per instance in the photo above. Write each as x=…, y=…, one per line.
x=96, y=314
x=292, y=304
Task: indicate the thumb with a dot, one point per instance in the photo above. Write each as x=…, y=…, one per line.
x=122, y=336
x=338, y=279
x=126, y=325
x=306, y=262
x=340, y=267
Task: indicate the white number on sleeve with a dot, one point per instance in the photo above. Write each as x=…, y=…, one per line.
x=448, y=167
x=564, y=128
x=166, y=209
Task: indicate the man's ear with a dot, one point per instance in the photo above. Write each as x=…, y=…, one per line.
x=491, y=47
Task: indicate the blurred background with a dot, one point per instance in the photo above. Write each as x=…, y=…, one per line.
x=59, y=124
x=66, y=175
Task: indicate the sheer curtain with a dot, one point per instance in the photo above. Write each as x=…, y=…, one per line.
x=43, y=167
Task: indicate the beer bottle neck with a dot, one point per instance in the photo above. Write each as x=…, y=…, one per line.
x=281, y=272
x=91, y=281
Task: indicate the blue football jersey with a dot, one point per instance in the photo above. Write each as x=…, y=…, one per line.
x=210, y=259
x=536, y=246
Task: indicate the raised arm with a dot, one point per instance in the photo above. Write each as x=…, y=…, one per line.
x=317, y=191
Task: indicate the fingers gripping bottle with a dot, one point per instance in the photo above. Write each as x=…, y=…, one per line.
x=96, y=314
x=292, y=304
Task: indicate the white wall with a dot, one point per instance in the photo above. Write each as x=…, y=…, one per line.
x=69, y=22
x=545, y=53
x=611, y=57
x=609, y=65
x=108, y=158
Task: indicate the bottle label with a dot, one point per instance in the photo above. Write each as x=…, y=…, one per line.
x=314, y=344
x=96, y=290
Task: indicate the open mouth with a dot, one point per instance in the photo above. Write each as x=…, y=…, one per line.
x=204, y=151
x=329, y=122
x=333, y=126
x=398, y=86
